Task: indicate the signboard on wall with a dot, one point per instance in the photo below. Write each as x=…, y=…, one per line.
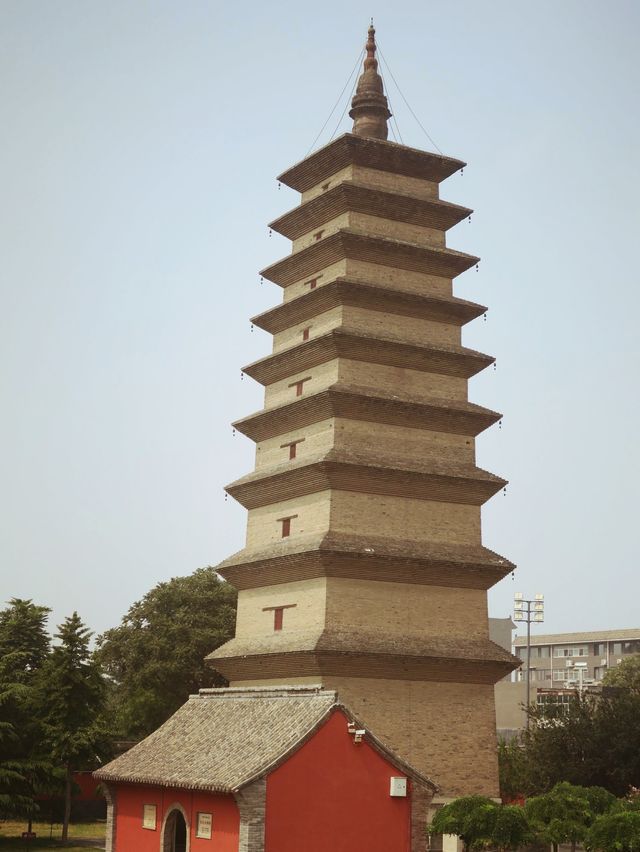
x=149, y=816
x=204, y=825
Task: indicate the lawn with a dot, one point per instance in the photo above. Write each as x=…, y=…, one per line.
x=48, y=836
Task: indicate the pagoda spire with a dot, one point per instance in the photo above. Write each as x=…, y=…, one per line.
x=369, y=109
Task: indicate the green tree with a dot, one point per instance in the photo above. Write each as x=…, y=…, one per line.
x=626, y=674
x=24, y=646
x=72, y=695
x=565, y=813
x=471, y=818
x=510, y=829
x=155, y=658
x=513, y=769
x=594, y=742
x=615, y=832
x=482, y=823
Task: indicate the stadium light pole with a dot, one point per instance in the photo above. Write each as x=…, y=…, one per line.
x=528, y=610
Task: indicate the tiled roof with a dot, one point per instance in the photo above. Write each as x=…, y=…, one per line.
x=223, y=739
x=571, y=638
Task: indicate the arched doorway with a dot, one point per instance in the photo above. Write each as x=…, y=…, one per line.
x=174, y=837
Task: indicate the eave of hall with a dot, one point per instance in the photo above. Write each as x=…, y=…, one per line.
x=446, y=360
x=370, y=296
x=349, y=244
x=373, y=405
x=344, y=555
x=351, y=197
x=346, y=471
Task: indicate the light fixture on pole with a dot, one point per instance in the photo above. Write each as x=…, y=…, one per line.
x=528, y=610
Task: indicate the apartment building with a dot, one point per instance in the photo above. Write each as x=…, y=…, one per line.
x=572, y=659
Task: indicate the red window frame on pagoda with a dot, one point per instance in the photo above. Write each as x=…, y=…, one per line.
x=285, y=531
x=278, y=614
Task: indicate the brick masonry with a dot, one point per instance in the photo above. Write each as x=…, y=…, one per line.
x=251, y=803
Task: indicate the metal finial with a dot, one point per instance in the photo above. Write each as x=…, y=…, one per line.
x=369, y=109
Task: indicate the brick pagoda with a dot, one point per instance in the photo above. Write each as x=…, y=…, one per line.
x=364, y=569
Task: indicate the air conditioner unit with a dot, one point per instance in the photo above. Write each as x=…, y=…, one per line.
x=603, y=662
x=568, y=663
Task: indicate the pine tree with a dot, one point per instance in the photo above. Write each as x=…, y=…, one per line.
x=24, y=646
x=72, y=694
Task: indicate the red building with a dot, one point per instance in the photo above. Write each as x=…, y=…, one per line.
x=263, y=770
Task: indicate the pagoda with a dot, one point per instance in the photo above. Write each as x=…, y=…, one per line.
x=364, y=570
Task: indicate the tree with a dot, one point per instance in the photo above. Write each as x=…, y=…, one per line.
x=625, y=675
x=560, y=748
x=595, y=741
x=72, y=695
x=615, y=832
x=24, y=646
x=471, y=818
x=155, y=658
x=510, y=829
x=565, y=814
x=513, y=769
x=480, y=822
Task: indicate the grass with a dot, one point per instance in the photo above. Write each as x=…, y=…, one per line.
x=48, y=837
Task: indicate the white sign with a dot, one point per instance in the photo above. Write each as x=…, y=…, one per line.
x=398, y=786
x=149, y=817
x=204, y=825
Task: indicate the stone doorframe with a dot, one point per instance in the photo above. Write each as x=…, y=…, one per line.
x=165, y=839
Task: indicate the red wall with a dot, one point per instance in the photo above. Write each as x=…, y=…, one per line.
x=333, y=796
x=132, y=837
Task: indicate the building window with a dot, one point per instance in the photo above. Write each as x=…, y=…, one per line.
x=278, y=614
x=286, y=525
x=571, y=651
x=149, y=817
x=599, y=649
x=299, y=385
x=305, y=332
x=312, y=283
x=559, y=674
x=553, y=704
x=541, y=674
x=318, y=235
x=292, y=445
x=598, y=672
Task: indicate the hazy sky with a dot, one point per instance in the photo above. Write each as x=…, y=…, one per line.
x=139, y=146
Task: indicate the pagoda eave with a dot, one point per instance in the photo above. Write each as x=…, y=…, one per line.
x=374, y=406
x=365, y=558
x=394, y=479
x=349, y=149
x=347, y=244
x=396, y=657
x=350, y=197
x=343, y=291
x=376, y=349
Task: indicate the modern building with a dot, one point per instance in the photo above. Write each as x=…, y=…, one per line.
x=363, y=542
x=561, y=664
x=572, y=659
